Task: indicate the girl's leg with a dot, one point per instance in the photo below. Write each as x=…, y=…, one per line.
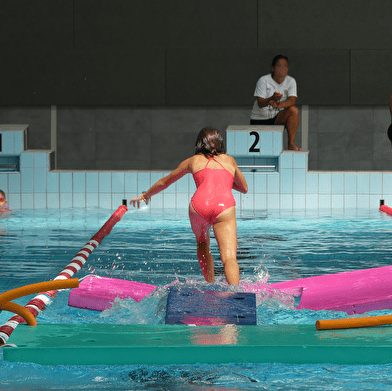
x=201, y=229
x=225, y=229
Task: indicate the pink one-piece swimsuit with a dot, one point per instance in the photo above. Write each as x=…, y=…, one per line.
x=213, y=195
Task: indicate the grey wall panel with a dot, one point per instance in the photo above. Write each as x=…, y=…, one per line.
x=228, y=77
x=146, y=24
x=320, y=24
x=211, y=77
x=41, y=24
x=84, y=77
x=371, y=77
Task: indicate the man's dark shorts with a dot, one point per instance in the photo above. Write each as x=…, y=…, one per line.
x=270, y=121
x=390, y=132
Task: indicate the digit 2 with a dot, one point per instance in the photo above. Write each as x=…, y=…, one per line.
x=257, y=138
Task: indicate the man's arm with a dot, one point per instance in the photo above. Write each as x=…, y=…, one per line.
x=263, y=102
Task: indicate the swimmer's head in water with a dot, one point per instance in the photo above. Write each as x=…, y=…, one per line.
x=209, y=142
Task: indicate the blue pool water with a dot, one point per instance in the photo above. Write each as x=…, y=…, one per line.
x=158, y=248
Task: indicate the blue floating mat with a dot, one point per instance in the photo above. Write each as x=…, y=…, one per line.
x=191, y=306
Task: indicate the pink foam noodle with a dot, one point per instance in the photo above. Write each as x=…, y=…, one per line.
x=386, y=209
x=41, y=301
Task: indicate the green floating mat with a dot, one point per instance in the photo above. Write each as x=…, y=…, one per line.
x=179, y=344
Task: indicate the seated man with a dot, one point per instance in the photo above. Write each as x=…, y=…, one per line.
x=276, y=96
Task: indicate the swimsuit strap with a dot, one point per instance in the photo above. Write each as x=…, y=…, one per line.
x=212, y=158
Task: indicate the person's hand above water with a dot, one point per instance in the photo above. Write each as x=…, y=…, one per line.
x=137, y=200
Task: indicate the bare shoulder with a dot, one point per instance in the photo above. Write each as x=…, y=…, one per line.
x=228, y=159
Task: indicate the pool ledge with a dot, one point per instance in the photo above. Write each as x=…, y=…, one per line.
x=101, y=344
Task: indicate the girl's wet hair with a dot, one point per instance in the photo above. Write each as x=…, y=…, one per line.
x=2, y=193
x=209, y=142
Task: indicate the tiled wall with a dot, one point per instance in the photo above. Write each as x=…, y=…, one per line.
x=293, y=188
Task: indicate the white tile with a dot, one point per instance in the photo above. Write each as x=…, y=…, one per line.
x=182, y=185
x=40, y=180
x=387, y=183
x=131, y=182
x=79, y=200
x=375, y=183
x=27, y=180
x=4, y=182
x=260, y=183
x=27, y=201
x=249, y=177
x=156, y=201
x=350, y=201
x=14, y=182
x=325, y=183
x=312, y=201
x=230, y=143
x=53, y=200
x=143, y=182
x=40, y=201
x=299, y=201
x=182, y=201
x=273, y=201
x=52, y=182
x=92, y=183
x=312, y=183
x=337, y=183
x=14, y=201
x=105, y=182
x=286, y=181
x=105, y=200
x=286, y=160
x=363, y=201
x=260, y=201
x=118, y=182
x=337, y=201
x=66, y=200
x=266, y=144
x=169, y=200
x=26, y=160
x=65, y=182
x=273, y=183
x=363, y=183
x=7, y=143
x=324, y=201
x=375, y=201
x=117, y=199
x=350, y=183
x=41, y=159
x=299, y=181
x=286, y=202
x=300, y=160
x=247, y=201
x=92, y=199
x=241, y=143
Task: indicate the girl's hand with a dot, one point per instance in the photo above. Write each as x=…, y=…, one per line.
x=138, y=200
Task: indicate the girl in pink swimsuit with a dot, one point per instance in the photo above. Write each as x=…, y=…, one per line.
x=213, y=204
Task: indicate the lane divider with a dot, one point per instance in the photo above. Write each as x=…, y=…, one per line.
x=29, y=318
x=40, y=302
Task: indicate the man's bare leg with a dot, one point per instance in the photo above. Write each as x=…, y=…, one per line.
x=290, y=118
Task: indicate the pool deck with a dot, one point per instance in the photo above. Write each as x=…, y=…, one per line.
x=102, y=344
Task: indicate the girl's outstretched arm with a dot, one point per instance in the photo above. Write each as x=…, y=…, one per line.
x=163, y=183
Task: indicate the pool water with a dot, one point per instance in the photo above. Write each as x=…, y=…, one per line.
x=159, y=248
